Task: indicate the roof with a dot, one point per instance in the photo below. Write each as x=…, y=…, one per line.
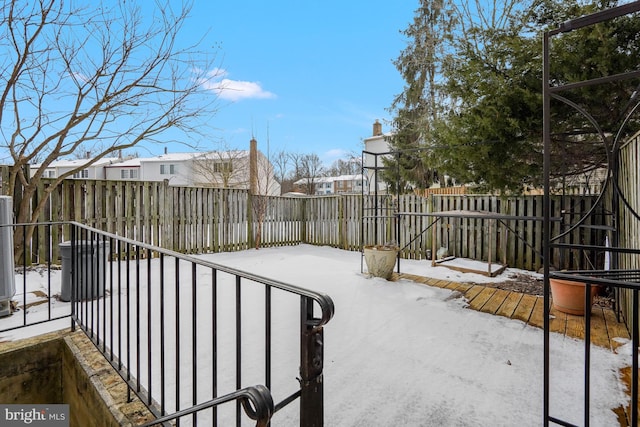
x=330, y=179
x=74, y=163
x=171, y=157
x=129, y=163
x=208, y=155
x=224, y=155
x=348, y=177
x=381, y=136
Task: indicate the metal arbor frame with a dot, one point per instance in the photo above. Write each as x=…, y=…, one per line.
x=615, y=278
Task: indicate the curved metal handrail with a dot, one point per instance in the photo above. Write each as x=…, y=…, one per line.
x=257, y=403
x=324, y=301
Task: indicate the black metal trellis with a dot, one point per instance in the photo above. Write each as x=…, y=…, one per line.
x=615, y=278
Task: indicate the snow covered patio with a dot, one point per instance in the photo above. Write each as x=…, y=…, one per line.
x=401, y=353
x=422, y=357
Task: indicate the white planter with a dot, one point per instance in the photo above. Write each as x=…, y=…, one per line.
x=380, y=260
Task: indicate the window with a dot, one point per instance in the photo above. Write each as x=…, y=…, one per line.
x=223, y=167
x=84, y=173
x=167, y=169
x=129, y=173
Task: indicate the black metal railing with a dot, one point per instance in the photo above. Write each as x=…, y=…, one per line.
x=616, y=279
x=187, y=334
x=44, y=261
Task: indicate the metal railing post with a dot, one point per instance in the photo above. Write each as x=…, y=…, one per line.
x=311, y=364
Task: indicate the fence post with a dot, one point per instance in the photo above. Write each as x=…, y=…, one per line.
x=251, y=238
x=303, y=219
x=311, y=364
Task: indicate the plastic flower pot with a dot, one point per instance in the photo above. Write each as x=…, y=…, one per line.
x=568, y=296
x=380, y=260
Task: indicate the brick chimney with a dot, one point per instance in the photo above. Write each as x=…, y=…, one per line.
x=253, y=166
x=377, y=128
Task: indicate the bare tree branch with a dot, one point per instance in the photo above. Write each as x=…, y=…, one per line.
x=102, y=78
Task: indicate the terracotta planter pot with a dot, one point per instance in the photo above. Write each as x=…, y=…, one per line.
x=568, y=296
x=380, y=260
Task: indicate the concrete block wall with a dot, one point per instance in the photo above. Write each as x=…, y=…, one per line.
x=65, y=367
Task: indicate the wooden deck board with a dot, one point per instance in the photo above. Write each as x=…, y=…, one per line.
x=558, y=321
x=509, y=305
x=481, y=298
x=575, y=326
x=524, y=308
x=599, y=335
x=615, y=329
x=495, y=302
x=537, y=314
x=471, y=292
x=443, y=283
x=435, y=282
x=463, y=287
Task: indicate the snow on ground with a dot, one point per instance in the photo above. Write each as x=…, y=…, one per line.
x=405, y=354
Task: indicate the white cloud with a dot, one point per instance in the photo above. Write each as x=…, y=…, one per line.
x=336, y=153
x=233, y=90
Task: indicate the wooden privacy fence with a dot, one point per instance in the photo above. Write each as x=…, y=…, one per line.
x=628, y=206
x=519, y=241
x=200, y=220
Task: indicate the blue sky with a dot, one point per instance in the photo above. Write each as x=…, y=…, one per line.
x=313, y=75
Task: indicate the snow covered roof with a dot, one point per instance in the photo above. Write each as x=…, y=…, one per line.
x=171, y=157
x=320, y=179
x=224, y=155
x=74, y=163
x=129, y=163
x=347, y=177
x=209, y=155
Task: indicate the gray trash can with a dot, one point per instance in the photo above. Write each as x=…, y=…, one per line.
x=89, y=266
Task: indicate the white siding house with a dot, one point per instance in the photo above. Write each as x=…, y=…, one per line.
x=58, y=168
x=343, y=184
x=125, y=170
x=377, y=143
x=223, y=169
x=174, y=167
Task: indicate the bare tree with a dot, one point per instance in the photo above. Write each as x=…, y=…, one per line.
x=101, y=78
x=223, y=169
x=311, y=170
x=263, y=186
x=348, y=166
x=281, y=162
x=296, y=163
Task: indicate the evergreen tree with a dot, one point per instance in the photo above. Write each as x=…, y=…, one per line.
x=487, y=125
x=421, y=101
x=491, y=135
